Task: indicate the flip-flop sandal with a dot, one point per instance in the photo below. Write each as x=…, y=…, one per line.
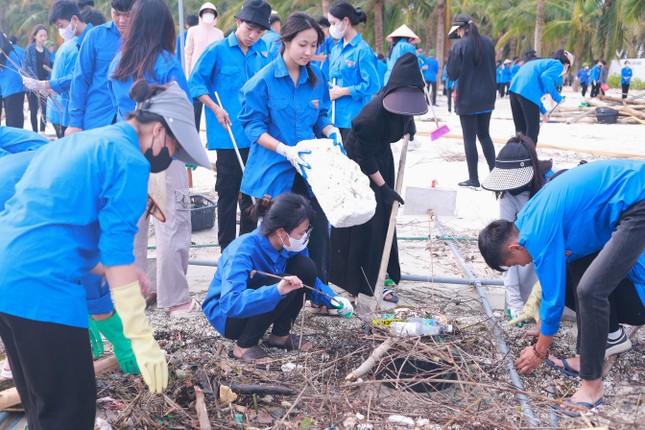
x=393, y=297
x=251, y=355
x=576, y=414
x=290, y=345
x=566, y=369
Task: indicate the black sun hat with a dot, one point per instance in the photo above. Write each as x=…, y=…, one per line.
x=403, y=93
x=255, y=11
x=513, y=169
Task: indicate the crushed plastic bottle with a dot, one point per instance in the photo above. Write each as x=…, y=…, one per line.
x=419, y=327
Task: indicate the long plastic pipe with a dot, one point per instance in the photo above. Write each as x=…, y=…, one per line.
x=501, y=344
x=414, y=278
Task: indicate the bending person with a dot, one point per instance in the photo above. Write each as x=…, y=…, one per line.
x=595, y=207
x=242, y=305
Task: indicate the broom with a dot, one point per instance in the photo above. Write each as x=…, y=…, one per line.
x=440, y=130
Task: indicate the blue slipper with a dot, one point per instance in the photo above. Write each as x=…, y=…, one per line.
x=576, y=414
x=393, y=297
x=566, y=369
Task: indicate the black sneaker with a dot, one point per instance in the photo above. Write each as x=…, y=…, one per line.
x=469, y=183
x=619, y=345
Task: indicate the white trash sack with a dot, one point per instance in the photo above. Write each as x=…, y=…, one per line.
x=342, y=189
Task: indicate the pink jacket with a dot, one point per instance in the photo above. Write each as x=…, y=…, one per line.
x=197, y=39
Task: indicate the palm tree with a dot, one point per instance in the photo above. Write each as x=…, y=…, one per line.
x=539, y=24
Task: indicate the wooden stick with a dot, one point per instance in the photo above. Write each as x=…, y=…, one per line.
x=271, y=275
x=371, y=361
x=389, y=237
x=200, y=407
x=10, y=397
x=582, y=115
x=261, y=389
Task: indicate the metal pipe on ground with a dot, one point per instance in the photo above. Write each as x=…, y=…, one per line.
x=413, y=278
x=501, y=343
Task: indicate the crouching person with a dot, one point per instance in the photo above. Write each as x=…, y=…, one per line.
x=242, y=302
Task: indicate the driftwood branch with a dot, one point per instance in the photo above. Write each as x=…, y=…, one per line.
x=371, y=361
x=261, y=389
x=200, y=407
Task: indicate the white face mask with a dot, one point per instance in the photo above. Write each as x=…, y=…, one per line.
x=208, y=18
x=297, y=245
x=336, y=32
x=67, y=32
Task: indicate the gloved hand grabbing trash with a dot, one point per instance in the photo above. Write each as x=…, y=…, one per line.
x=294, y=156
x=531, y=307
x=34, y=84
x=343, y=306
x=96, y=342
x=130, y=305
x=334, y=134
x=112, y=329
x=389, y=195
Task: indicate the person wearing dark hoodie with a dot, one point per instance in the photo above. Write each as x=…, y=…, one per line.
x=356, y=251
x=472, y=61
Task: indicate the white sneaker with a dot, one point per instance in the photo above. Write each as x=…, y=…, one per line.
x=619, y=345
x=193, y=311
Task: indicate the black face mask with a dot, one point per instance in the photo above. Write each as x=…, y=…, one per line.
x=161, y=161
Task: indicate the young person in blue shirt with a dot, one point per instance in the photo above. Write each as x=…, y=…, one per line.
x=90, y=105
x=241, y=304
x=272, y=36
x=80, y=198
x=381, y=67
x=223, y=68
x=189, y=21
x=352, y=65
x=284, y=103
x=472, y=60
x=598, y=207
x=505, y=78
x=583, y=78
x=430, y=68
x=535, y=79
x=594, y=78
x=146, y=55
x=12, y=91
x=401, y=41
x=37, y=64
x=626, y=74
x=517, y=63
x=66, y=17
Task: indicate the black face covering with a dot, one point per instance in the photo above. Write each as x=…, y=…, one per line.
x=161, y=161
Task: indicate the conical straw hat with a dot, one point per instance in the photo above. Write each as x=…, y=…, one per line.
x=403, y=31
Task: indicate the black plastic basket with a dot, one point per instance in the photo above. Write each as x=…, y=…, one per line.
x=202, y=212
x=606, y=115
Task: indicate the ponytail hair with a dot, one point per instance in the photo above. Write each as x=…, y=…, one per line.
x=342, y=9
x=472, y=31
x=141, y=92
x=286, y=211
x=296, y=23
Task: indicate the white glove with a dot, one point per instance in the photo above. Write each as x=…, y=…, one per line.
x=294, y=156
x=335, y=135
x=343, y=306
x=33, y=84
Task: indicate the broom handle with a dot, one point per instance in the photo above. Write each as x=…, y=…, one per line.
x=425, y=90
x=274, y=276
x=333, y=107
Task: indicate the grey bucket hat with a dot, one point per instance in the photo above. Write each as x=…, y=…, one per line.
x=173, y=105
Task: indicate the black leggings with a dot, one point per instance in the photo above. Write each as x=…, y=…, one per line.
x=526, y=116
x=52, y=369
x=36, y=102
x=625, y=88
x=449, y=94
x=477, y=126
x=584, y=89
x=14, y=110
x=249, y=331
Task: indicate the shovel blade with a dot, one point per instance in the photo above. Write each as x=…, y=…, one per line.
x=439, y=132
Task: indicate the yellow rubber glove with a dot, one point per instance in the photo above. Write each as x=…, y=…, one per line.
x=531, y=308
x=130, y=305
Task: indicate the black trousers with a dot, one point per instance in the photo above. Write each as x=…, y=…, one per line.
x=53, y=372
x=227, y=185
x=198, y=107
x=625, y=90
x=595, y=89
x=449, y=94
x=432, y=89
x=35, y=103
x=249, y=331
x=584, y=89
x=319, y=243
x=526, y=116
x=502, y=87
x=473, y=127
x=13, y=108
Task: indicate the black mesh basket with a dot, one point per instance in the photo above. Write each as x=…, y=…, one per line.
x=202, y=212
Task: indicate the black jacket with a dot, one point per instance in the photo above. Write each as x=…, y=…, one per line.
x=476, y=88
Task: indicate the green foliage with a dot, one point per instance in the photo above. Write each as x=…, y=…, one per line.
x=614, y=82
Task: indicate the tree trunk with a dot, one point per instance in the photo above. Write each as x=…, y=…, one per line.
x=539, y=24
x=428, y=31
x=442, y=17
x=378, y=26
x=325, y=7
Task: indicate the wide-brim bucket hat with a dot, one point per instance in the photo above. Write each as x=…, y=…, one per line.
x=513, y=169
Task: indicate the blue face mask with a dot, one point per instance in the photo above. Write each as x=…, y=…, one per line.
x=161, y=161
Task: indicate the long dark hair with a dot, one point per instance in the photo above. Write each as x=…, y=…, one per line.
x=140, y=92
x=35, y=31
x=296, y=23
x=286, y=211
x=151, y=32
x=342, y=9
x=540, y=167
x=472, y=31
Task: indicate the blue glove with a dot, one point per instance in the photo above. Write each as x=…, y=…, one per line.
x=338, y=139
